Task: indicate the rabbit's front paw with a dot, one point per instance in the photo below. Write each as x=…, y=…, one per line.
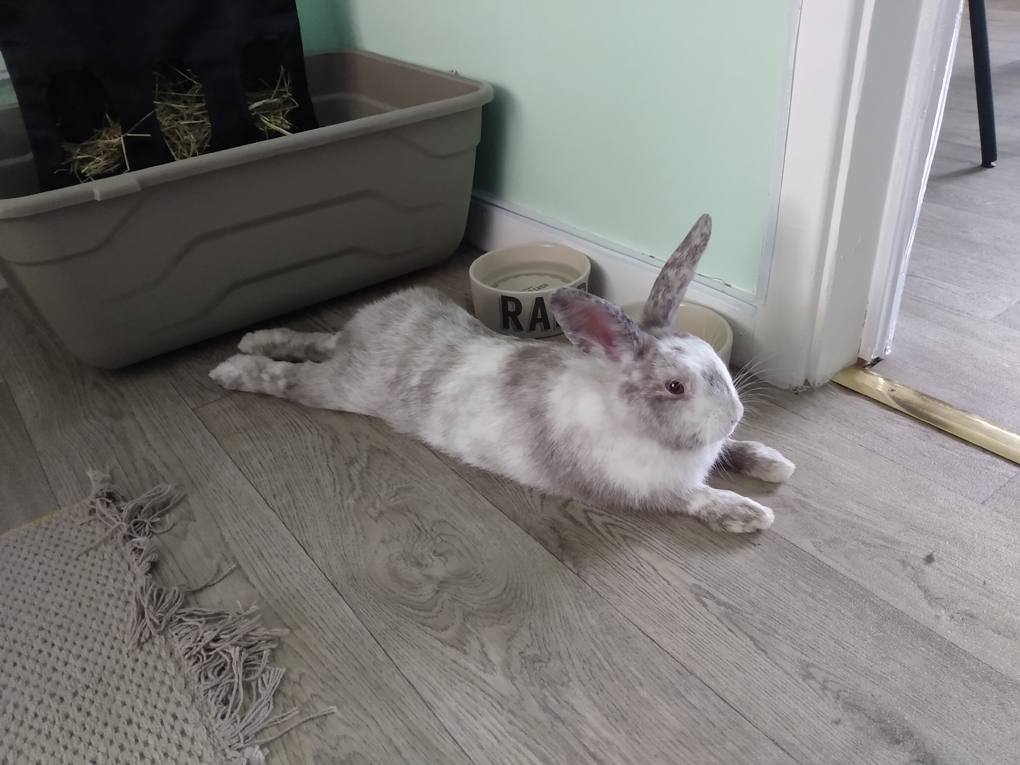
x=740, y=515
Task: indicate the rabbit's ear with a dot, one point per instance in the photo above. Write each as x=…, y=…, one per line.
x=676, y=275
x=596, y=326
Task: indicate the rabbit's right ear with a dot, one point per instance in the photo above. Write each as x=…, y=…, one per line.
x=596, y=326
x=676, y=275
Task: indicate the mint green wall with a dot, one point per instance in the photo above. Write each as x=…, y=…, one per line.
x=325, y=24
x=625, y=119
x=7, y=92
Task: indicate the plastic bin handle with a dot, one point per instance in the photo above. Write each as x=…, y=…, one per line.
x=117, y=186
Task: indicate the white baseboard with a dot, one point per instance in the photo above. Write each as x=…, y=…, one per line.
x=616, y=275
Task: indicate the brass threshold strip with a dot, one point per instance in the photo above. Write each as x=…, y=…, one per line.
x=976, y=430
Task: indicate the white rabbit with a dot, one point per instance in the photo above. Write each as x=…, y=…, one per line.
x=627, y=417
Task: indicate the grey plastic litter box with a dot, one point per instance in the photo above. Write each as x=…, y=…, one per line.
x=127, y=267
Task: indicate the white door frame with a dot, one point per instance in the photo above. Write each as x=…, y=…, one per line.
x=869, y=87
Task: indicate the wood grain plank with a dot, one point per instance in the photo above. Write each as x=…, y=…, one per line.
x=877, y=523
x=135, y=422
x=830, y=671
x=942, y=459
x=1007, y=500
x=962, y=186
x=969, y=363
x=954, y=159
x=975, y=295
x=971, y=244
x=25, y=494
x=965, y=252
x=519, y=659
x=1010, y=317
x=957, y=183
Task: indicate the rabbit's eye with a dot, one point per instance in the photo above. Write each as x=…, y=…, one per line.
x=675, y=387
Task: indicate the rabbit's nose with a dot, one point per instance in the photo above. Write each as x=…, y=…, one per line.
x=738, y=412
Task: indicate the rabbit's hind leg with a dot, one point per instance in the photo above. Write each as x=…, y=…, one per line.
x=303, y=384
x=288, y=345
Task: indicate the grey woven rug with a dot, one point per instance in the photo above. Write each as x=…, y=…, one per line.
x=99, y=665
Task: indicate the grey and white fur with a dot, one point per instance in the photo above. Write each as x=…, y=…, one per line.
x=628, y=416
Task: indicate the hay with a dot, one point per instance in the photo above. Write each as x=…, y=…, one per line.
x=183, y=120
x=270, y=109
x=182, y=115
x=101, y=155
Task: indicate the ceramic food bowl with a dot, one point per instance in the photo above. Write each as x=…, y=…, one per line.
x=510, y=286
x=700, y=321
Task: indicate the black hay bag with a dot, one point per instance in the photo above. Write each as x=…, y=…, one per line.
x=73, y=63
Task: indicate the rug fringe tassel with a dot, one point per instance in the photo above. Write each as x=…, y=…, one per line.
x=225, y=654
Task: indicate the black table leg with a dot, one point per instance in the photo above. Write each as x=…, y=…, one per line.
x=983, y=81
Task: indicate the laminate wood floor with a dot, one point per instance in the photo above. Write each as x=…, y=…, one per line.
x=454, y=617
x=958, y=333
